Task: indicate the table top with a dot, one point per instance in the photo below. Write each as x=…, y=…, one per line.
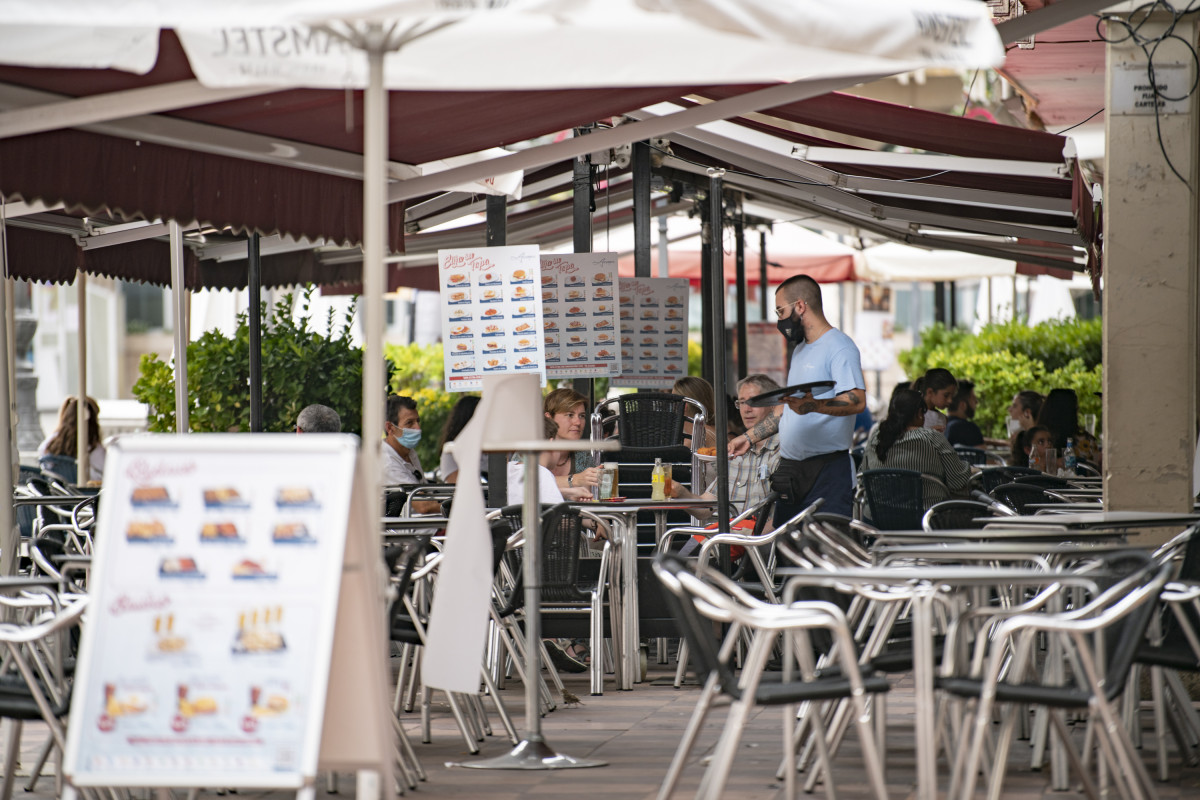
x=987, y=549
x=944, y=574
x=52, y=499
x=416, y=522
x=644, y=504
x=1096, y=520
x=999, y=533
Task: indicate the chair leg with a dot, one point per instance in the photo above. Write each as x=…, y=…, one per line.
x=681, y=667
x=505, y=719
x=703, y=704
x=1159, y=701
x=36, y=772
x=12, y=752
x=597, y=632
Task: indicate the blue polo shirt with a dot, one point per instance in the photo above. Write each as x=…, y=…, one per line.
x=833, y=356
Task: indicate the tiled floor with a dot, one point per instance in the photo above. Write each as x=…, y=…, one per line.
x=636, y=733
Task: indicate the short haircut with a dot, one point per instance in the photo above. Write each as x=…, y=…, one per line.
x=763, y=383
x=802, y=287
x=563, y=401
x=318, y=419
x=965, y=388
x=395, y=402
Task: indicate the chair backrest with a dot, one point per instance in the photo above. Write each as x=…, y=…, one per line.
x=1044, y=481
x=971, y=455
x=696, y=628
x=956, y=515
x=1020, y=496
x=649, y=419
x=1131, y=620
x=894, y=498
x=992, y=477
x=28, y=473
x=561, y=530
x=64, y=467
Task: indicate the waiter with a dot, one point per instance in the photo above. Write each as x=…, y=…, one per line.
x=815, y=433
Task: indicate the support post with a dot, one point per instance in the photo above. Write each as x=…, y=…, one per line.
x=179, y=302
x=1150, y=273
x=706, y=272
x=664, y=243
x=81, y=404
x=743, y=349
x=641, y=209
x=721, y=412
x=11, y=540
x=583, y=204
x=496, y=235
x=254, y=289
x=762, y=283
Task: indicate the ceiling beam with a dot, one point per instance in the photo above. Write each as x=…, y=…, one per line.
x=77, y=111
x=213, y=139
x=1048, y=17
x=535, y=157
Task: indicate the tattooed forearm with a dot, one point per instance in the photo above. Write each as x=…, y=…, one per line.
x=765, y=429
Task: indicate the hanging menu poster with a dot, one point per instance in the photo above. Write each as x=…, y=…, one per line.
x=492, y=315
x=215, y=585
x=653, y=315
x=579, y=313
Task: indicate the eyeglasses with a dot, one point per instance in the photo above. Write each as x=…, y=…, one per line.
x=780, y=309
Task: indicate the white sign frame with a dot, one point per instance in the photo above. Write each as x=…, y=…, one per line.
x=580, y=289
x=248, y=474
x=491, y=312
x=653, y=315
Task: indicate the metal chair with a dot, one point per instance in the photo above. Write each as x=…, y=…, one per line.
x=992, y=477
x=1020, y=496
x=972, y=455
x=700, y=599
x=63, y=467
x=957, y=514
x=1103, y=637
x=895, y=499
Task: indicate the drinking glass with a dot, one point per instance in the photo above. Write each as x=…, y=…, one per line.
x=1050, y=461
x=1089, y=423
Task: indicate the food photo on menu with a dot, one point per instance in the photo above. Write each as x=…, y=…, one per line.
x=166, y=640
x=127, y=699
x=251, y=570
x=269, y=700
x=295, y=497
x=150, y=496
x=179, y=567
x=147, y=530
x=258, y=631
x=220, y=532
x=224, y=497
x=192, y=701
x=291, y=533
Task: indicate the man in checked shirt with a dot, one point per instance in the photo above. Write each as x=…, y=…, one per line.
x=749, y=475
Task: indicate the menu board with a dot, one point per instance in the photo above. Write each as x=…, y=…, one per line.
x=492, y=315
x=653, y=314
x=579, y=310
x=215, y=584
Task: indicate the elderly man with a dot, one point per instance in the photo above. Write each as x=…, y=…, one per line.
x=749, y=475
x=318, y=419
x=815, y=434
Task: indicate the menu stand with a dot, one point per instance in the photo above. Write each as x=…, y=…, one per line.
x=534, y=752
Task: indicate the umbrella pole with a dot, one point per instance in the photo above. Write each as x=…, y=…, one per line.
x=179, y=299
x=11, y=535
x=717, y=313
x=81, y=403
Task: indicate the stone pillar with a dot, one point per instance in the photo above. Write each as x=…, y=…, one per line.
x=29, y=427
x=1150, y=275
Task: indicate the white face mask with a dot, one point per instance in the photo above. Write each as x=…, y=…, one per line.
x=1014, y=425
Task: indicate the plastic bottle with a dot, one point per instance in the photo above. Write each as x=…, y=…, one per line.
x=1070, y=460
x=658, y=481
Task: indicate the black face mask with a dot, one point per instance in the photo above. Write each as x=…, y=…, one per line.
x=792, y=328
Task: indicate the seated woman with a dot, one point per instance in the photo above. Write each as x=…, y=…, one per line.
x=902, y=442
x=549, y=492
x=1060, y=415
x=567, y=408
x=57, y=453
x=702, y=392
x=460, y=415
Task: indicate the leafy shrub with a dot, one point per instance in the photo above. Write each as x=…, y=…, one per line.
x=299, y=367
x=1005, y=358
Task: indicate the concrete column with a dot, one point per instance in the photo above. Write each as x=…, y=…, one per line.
x=1150, y=274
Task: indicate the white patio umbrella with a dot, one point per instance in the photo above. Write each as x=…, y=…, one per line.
x=816, y=45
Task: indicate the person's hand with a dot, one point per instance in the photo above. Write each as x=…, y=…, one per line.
x=738, y=445
x=587, y=477
x=580, y=494
x=801, y=403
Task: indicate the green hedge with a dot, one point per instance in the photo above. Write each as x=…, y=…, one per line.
x=1003, y=359
x=299, y=367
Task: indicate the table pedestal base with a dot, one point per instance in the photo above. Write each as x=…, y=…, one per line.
x=531, y=754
